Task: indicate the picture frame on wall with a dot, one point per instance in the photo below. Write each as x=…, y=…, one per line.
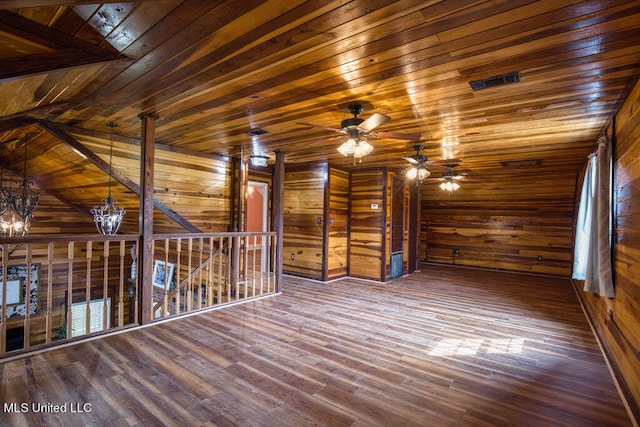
x=21, y=279
x=160, y=270
x=14, y=292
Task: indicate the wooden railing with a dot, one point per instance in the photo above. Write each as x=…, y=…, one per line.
x=192, y=272
x=58, y=288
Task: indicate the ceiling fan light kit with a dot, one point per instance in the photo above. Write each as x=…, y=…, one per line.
x=418, y=172
x=359, y=131
x=449, y=185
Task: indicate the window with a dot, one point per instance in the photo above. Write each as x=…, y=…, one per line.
x=79, y=317
x=594, y=226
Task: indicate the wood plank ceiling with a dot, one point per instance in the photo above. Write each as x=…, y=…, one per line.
x=231, y=78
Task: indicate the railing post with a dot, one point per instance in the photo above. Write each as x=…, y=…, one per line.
x=145, y=287
x=278, y=215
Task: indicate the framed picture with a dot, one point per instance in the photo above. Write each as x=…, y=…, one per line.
x=163, y=271
x=14, y=292
x=19, y=281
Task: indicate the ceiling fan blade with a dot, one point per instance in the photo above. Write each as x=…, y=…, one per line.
x=373, y=122
x=399, y=135
x=411, y=160
x=446, y=161
x=431, y=166
x=318, y=126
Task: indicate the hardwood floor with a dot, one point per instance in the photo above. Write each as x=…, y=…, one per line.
x=445, y=346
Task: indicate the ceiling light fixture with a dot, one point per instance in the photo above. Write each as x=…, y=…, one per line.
x=418, y=171
x=449, y=185
x=449, y=181
x=21, y=202
x=108, y=218
x=356, y=145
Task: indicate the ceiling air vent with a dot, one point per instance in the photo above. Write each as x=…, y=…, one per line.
x=521, y=163
x=495, y=81
x=256, y=132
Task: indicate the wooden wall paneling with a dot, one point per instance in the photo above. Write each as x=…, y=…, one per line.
x=337, y=224
x=367, y=227
x=303, y=220
x=617, y=320
x=518, y=223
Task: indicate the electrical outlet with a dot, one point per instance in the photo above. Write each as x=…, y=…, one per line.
x=456, y=251
x=293, y=257
x=539, y=257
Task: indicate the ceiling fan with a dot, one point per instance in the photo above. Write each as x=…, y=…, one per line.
x=357, y=132
x=422, y=164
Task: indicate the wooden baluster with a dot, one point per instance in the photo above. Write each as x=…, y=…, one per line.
x=70, y=257
x=244, y=276
x=201, y=290
x=48, y=322
x=167, y=281
x=237, y=253
x=253, y=266
x=87, y=290
x=177, y=272
x=190, y=294
x=220, y=276
x=121, y=290
x=273, y=252
x=105, y=287
x=267, y=261
x=210, y=267
x=136, y=284
x=3, y=316
x=260, y=270
x=27, y=304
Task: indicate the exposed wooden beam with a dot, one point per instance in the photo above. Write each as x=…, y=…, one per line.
x=122, y=179
x=33, y=114
x=64, y=50
x=133, y=141
x=22, y=4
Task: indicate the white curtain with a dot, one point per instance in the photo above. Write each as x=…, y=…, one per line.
x=592, y=251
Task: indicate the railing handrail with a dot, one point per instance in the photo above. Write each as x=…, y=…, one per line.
x=46, y=238
x=208, y=235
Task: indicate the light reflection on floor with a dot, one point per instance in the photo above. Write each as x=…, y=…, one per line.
x=473, y=346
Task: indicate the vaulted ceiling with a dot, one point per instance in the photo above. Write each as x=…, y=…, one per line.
x=232, y=78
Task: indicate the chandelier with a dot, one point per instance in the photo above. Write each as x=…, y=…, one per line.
x=19, y=204
x=107, y=217
x=355, y=145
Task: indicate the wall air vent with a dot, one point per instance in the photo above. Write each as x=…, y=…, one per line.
x=495, y=81
x=256, y=132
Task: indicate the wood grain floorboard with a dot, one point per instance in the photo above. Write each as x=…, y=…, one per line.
x=442, y=347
